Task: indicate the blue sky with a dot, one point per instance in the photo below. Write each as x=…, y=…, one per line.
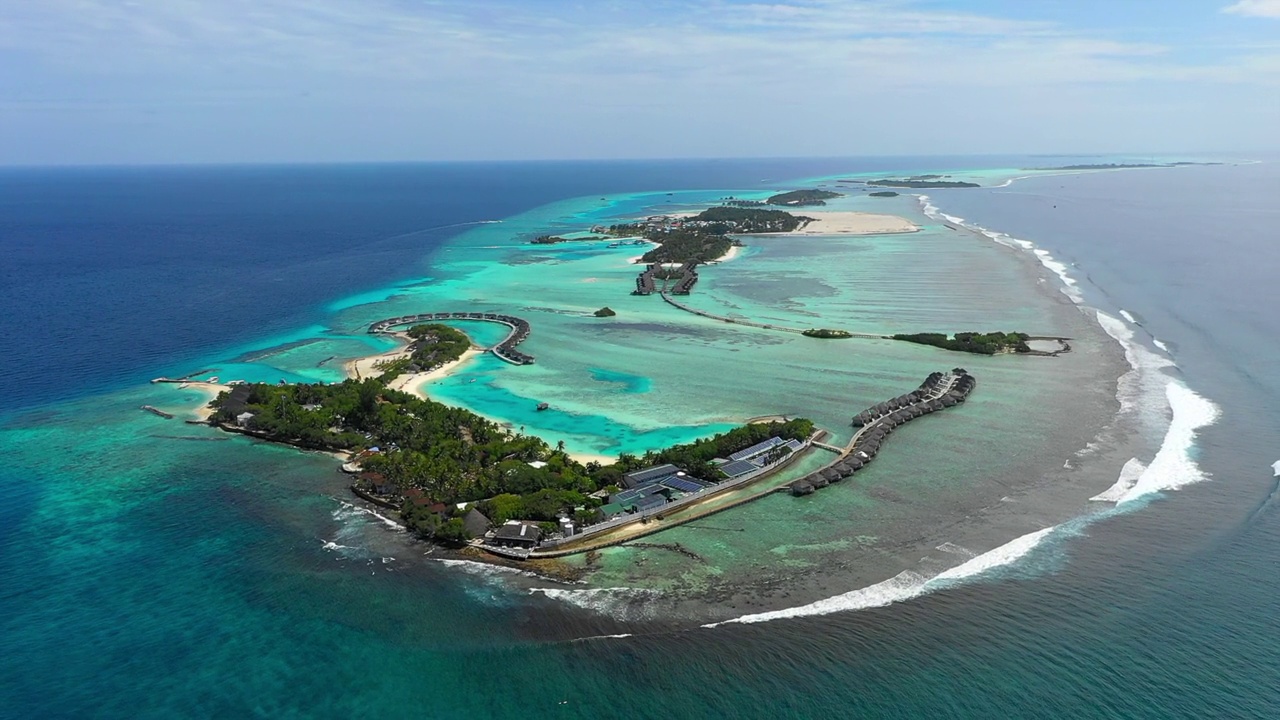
x=163, y=81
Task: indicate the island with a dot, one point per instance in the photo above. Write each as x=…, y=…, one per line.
x=922, y=184
x=432, y=346
x=605, y=311
x=704, y=237
x=883, y=193
x=553, y=239
x=827, y=333
x=972, y=342
x=453, y=475
x=797, y=198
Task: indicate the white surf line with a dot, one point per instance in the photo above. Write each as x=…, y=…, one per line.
x=1129, y=474
x=1275, y=468
x=1070, y=287
x=906, y=585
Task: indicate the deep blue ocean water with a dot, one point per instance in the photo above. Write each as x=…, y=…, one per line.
x=186, y=591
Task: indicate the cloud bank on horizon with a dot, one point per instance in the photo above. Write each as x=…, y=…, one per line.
x=98, y=81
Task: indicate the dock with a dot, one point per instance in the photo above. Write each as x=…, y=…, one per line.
x=505, y=350
x=938, y=391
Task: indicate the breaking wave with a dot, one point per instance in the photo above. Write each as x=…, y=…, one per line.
x=906, y=585
x=1174, y=466
x=1070, y=287
x=621, y=603
x=1129, y=474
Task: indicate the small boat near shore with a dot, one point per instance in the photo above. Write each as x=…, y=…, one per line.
x=543, y=406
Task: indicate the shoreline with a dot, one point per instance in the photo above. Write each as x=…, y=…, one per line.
x=415, y=383
x=365, y=367
x=852, y=223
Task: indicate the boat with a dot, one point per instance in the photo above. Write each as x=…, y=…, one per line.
x=614, y=245
x=543, y=406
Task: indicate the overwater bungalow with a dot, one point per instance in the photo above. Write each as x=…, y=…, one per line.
x=802, y=487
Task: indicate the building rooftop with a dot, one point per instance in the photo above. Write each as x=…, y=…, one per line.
x=758, y=448
x=649, y=475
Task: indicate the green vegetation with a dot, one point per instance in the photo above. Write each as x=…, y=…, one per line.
x=884, y=193
x=431, y=453
x=433, y=345
x=827, y=333
x=797, y=198
x=746, y=220
x=696, y=457
x=913, y=183
x=605, y=311
x=679, y=246
x=980, y=343
x=702, y=238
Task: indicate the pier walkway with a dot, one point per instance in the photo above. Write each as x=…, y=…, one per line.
x=749, y=323
x=938, y=391
x=505, y=350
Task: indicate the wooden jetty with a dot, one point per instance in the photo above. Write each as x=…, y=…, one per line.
x=505, y=350
x=184, y=378
x=157, y=411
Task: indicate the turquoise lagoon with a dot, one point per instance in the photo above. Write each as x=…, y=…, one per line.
x=653, y=375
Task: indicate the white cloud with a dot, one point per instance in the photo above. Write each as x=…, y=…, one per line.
x=1255, y=8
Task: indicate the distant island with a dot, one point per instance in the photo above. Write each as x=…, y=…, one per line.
x=972, y=342
x=923, y=184
x=883, y=193
x=1123, y=166
x=798, y=198
x=826, y=333
x=553, y=239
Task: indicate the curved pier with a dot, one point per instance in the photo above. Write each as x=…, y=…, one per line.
x=505, y=350
x=938, y=392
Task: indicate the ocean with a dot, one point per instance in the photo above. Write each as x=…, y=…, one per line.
x=156, y=569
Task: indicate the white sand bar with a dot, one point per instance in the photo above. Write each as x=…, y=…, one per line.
x=852, y=223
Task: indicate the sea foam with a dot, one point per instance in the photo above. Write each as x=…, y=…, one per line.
x=1173, y=466
x=1129, y=475
x=906, y=585
x=1070, y=287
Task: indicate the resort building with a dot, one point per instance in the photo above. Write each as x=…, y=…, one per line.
x=518, y=534
x=759, y=456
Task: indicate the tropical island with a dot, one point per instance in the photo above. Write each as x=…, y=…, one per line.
x=883, y=193
x=553, y=239
x=438, y=465
x=922, y=184
x=827, y=333
x=797, y=198
x=972, y=342
x=705, y=236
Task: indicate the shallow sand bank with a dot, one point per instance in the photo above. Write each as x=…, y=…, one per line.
x=367, y=366
x=853, y=223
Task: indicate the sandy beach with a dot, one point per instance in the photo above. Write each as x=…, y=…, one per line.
x=733, y=253
x=415, y=383
x=853, y=223
x=211, y=390
x=367, y=366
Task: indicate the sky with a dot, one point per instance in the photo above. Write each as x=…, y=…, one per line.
x=229, y=81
